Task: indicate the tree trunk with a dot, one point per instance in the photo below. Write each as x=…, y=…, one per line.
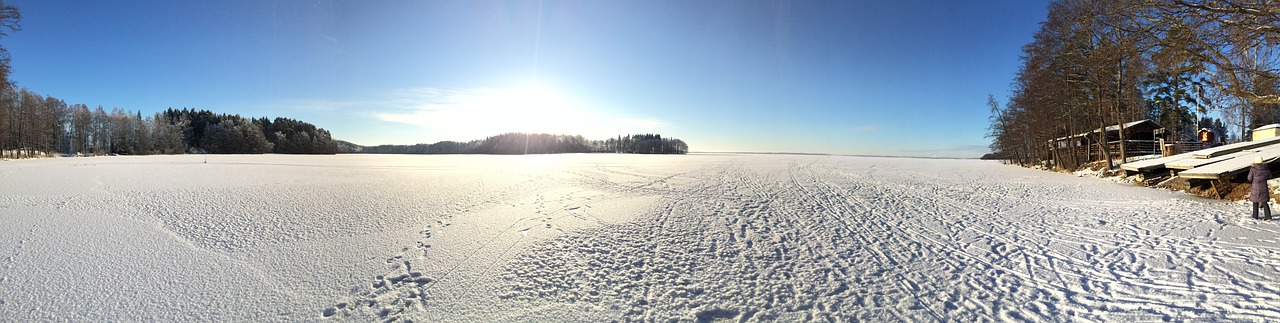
x=1075, y=146
x=1119, y=105
x=1055, y=154
x=1088, y=149
x=1026, y=142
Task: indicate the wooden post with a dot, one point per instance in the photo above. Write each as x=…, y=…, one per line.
x=1214, y=185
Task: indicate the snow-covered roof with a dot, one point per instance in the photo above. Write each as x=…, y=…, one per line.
x=1273, y=125
x=1114, y=128
x=1127, y=125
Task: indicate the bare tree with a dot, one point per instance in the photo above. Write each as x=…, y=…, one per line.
x=9, y=18
x=1087, y=67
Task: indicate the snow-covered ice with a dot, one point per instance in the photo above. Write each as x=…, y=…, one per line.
x=600, y=237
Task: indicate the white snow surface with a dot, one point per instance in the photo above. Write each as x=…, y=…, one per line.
x=601, y=237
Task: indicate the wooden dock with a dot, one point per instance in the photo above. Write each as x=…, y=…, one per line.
x=1190, y=163
x=1227, y=149
x=1230, y=167
x=1153, y=164
x=1220, y=162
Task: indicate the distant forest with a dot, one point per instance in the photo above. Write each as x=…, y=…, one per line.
x=522, y=143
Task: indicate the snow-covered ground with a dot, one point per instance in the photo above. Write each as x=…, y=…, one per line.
x=699, y=237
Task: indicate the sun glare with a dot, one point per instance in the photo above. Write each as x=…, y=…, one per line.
x=531, y=108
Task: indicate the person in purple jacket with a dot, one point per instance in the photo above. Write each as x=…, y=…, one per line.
x=1258, y=192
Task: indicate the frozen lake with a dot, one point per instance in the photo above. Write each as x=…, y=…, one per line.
x=601, y=237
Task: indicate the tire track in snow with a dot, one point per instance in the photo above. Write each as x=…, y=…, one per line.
x=1028, y=276
x=904, y=204
x=803, y=230
x=1107, y=263
x=742, y=253
x=887, y=258
x=1063, y=287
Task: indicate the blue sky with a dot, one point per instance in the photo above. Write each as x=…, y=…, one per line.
x=842, y=77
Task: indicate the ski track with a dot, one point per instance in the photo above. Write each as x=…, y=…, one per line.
x=703, y=238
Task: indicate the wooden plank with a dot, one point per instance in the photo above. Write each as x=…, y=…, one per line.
x=1228, y=149
x=1190, y=163
x=1153, y=164
x=1210, y=153
x=1231, y=166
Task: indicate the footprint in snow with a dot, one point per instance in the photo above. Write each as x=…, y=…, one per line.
x=333, y=310
x=391, y=296
x=713, y=315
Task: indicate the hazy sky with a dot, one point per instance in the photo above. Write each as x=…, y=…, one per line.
x=844, y=77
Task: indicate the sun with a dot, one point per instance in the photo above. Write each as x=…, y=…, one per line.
x=533, y=108
x=529, y=108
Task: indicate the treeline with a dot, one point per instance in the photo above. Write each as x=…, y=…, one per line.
x=443, y=147
x=504, y=144
x=643, y=144
x=522, y=143
x=1097, y=63
x=33, y=125
x=37, y=125
x=206, y=132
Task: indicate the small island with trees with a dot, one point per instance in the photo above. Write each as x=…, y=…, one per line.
x=540, y=143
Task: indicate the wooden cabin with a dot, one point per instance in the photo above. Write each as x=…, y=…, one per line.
x=1139, y=138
